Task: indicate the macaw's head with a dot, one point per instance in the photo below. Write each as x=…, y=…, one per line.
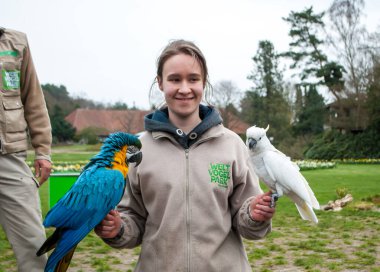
x=123, y=149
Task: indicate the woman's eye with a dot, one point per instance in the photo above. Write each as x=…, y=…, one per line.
x=194, y=79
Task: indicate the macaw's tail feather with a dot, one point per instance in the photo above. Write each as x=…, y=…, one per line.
x=64, y=263
x=67, y=243
x=50, y=243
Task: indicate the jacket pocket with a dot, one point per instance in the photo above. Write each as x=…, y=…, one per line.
x=15, y=124
x=10, y=77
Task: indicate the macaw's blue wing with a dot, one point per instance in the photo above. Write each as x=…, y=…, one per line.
x=92, y=193
x=87, y=202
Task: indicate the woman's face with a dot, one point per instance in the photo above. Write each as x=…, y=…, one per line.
x=182, y=85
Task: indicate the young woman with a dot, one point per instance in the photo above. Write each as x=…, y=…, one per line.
x=194, y=194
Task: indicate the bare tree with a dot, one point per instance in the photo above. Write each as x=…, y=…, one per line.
x=156, y=97
x=350, y=40
x=226, y=96
x=225, y=93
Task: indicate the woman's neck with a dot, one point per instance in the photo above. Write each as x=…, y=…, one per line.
x=186, y=124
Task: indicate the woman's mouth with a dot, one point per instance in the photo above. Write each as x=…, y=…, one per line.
x=184, y=98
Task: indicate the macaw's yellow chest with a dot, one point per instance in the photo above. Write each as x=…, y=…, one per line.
x=119, y=161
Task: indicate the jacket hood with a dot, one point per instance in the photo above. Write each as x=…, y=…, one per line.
x=159, y=121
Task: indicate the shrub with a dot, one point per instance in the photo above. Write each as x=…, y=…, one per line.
x=335, y=145
x=90, y=135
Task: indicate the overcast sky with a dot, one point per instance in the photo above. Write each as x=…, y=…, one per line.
x=107, y=50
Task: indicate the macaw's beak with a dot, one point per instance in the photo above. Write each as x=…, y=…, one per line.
x=134, y=155
x=251, y=143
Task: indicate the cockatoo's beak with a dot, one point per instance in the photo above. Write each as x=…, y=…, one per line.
x=134, y=155
x=251, y=143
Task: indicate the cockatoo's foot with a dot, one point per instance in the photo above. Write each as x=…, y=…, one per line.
x=274, y=197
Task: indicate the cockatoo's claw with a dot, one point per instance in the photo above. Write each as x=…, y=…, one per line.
x=274, y=197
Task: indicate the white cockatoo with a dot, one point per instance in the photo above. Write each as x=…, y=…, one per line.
x=280, y=174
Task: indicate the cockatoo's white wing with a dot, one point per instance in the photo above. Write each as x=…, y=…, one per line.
x=291, y=182
x=273, y=163
x=304, y=208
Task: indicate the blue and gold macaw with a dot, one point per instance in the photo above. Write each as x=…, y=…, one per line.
x=97, y=190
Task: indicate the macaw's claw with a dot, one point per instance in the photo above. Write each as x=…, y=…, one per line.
x=134, y=155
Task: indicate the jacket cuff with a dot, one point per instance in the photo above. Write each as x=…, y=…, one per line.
x=42, y=157
x=127, y=236
x=247, y=218
x=251, y=229
x=118, y=236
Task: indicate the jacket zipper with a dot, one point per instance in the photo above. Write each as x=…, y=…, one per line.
x=188, y=210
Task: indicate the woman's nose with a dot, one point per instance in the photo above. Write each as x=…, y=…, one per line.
x=184, y=88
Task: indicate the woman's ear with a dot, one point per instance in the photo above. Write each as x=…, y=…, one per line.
x=159, y=82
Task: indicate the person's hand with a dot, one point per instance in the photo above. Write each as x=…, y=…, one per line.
x=260, y=207
x=110, y=226
x=42, y=169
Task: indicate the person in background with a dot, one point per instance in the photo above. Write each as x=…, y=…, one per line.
x=194, y=195
x=23, y=113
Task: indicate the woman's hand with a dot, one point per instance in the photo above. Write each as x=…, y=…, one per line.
x=43, y=170
x=260, y=207
x=110, y=226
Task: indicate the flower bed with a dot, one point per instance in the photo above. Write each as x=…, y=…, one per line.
x=358, y=161
x=77, y=166
x=314, y=164
x=63, y=167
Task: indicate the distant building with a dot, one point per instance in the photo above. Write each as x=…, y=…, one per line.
x=232, y=122
x=107, y=121
x=131, y=121
x=347, y=116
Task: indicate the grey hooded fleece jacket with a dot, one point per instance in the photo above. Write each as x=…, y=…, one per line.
x=187, y=202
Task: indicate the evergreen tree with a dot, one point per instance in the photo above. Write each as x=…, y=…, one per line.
x=119, y=106
x=253, y=109
x=373, y=104
x=312, y=114
x=267, y=99
x=311, y=63
x=62, y=130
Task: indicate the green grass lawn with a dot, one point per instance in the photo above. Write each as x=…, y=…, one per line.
x=348, y=240
x=71, y=153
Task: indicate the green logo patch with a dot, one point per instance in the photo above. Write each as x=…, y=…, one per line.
x=11, y=79
x=9, y=53
x=219, y=173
